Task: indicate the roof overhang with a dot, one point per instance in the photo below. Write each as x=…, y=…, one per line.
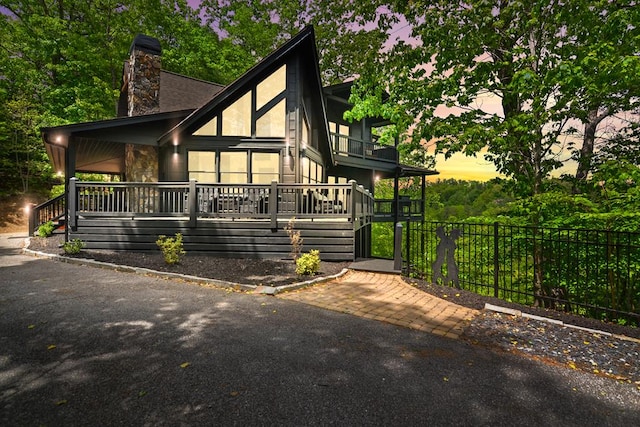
x=99, y=146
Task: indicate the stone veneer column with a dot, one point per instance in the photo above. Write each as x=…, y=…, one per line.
x=143, y=97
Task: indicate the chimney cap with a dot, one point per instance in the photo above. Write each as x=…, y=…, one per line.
x=146, y=43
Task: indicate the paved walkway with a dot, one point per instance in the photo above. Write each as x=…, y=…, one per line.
x=387, y=298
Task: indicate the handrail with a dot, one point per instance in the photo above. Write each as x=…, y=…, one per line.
x=199, y=201
x=51, y=210
x=354, y=147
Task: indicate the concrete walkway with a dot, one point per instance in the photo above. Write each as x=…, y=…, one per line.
x=386, y=298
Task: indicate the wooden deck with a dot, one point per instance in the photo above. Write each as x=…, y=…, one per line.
x=224, y=220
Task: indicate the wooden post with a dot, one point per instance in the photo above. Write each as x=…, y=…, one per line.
x=354, y=202
x=31, y=214
x=397, y=248
x=193, y=204
x=72, y=207
x=273, y=204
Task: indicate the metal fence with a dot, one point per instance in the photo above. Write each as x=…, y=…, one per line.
x=594, y=273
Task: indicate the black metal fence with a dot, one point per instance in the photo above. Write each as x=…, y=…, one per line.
x=594, y=273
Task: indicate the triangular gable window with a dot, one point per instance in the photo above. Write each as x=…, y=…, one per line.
x=210, y=129
x=236, y=118
x=268, y=109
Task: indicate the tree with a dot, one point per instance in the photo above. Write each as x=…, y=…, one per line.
x=347, y=31
x=466, y=54
x=61, y=62
x=606, y=58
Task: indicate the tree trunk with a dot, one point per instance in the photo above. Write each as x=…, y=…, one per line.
x=588, y=145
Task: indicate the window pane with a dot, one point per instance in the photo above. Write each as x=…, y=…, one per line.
x=272, y=123
x=233, y=167
x=265, y=167
x=305, y=170
x=233, y=178
x=270, y=87
x=202, y=165
x=236, y=118
x=305, y=133
x=203, y=177
x=210, y=129
x=233, y=161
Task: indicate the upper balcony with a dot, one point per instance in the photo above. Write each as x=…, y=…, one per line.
x=354, y=149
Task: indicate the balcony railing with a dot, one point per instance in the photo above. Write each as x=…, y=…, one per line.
x=345, y=145
x=384, y=209
x=273, y=202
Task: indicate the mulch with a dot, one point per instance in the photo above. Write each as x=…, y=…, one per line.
x=607, y=353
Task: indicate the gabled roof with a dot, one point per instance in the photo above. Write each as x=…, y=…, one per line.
x=304, y=43
x=178, y=92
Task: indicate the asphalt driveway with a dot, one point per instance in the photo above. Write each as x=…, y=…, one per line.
x=89, y=346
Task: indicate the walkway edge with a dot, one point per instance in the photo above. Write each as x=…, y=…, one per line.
x=261, y=289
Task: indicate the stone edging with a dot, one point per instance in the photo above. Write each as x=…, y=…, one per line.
x=518, y=313
x=267, y=290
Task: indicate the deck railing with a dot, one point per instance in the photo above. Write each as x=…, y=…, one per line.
x=348, y=146
x=51, y=210
x=198, y=201
x=384, y=209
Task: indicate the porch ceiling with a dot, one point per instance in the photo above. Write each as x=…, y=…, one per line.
x=99, y=147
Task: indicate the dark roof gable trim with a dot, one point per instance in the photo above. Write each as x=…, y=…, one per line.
x=306, y=35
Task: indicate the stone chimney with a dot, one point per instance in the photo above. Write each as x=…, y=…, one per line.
x=142, y=84
x=143, y=76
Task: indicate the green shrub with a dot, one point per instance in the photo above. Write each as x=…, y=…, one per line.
x=308, y=264
x=73, y=247
x=171, y=247
x=46, y=229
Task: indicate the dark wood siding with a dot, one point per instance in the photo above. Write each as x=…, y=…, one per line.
x=238, y=239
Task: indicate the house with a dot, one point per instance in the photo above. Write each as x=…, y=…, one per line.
x=228, y=167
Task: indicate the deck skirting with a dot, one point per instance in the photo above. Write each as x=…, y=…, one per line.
x=336, y=240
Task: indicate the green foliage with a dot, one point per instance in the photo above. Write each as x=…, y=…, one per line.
x=171, y=247
x=73, y=247
x=46, y=229
x=63, y=64
x=498, y=79
x=294, y=238
x=255, y=28
x=308, y=264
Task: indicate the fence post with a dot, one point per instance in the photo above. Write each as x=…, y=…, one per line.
x=496, y=261
x=273, y=204
x=73, y=204
x=397, y=247
x=193, y=204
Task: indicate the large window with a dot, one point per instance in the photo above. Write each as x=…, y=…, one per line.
x=209, y=129
x=271, y=87
x=236, y=118
x=265, y=167
x=272, y=123
x=268, y=108
x=311, y=171
x=233, y=167
x=342, y=140
x=202, y=166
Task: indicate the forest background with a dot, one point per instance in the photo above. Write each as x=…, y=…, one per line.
x=532, y=88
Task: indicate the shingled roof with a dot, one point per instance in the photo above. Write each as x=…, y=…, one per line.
x=178, y=92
